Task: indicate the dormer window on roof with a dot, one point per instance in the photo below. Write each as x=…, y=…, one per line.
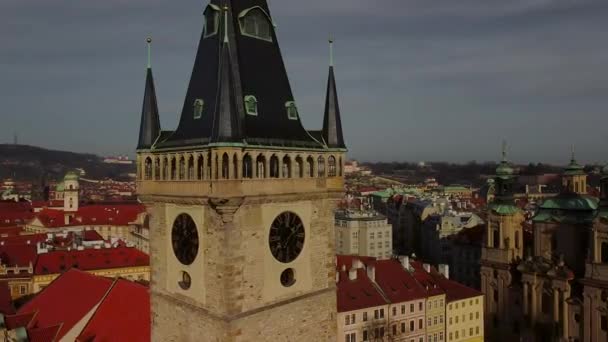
x=292, y=110
x=251, y=105
x=211, y=20
x=199, y=105
x=255, y=23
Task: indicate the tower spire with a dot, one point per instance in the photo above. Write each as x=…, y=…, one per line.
x=149, y=128
x=149, y=41
x=332, y=124
x=573, y=157
x=504, y=150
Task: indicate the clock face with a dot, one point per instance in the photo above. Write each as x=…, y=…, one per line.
x=286, y=238
x=184, y=238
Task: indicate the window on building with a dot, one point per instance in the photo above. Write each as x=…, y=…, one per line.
x=371, y=235
x=435, y=320
x=450, y=336
x=441, y=319
x=347, y=320
x=477, y=315
x=420, y=323
x=456, y=334
x=420, y=306
x=411, y=325
x=411, y=307
x=251, y=105
x=353, y=319
x=365, y=337
x=441, y=336
x=456, y=319
x=381, y=313
x=292, y=110
x=211, y=20
x=471, y=316
x=450, y=320
x=255, y=23
x=198, y=107
x=428, y=322
x=604, y=323
x=403, y=309
x=394, y=329
x=376, y=314
x=477, y=330
x=604, y=252
x=402, y=327
x=22, y=289
x=365, y=317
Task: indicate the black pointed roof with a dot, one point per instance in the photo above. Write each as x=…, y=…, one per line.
x=228, y=67
x=332, y=124
x=149, y=128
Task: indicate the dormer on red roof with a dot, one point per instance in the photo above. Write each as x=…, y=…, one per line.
x=46, y=334
x=123, y=315
x=25, y=320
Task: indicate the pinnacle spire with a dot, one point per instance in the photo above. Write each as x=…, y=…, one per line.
x=332, y=123
x=504, y=150
x=149, y=41
x=149, y=128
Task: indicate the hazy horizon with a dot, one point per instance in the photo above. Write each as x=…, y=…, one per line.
x=417, y=80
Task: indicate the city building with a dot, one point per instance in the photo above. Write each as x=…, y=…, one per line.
x=28, y=263
x=435, y=246
x=363, y=233
x=402, y=299
x=78, y=306
x=502, y=250
x=242, y=197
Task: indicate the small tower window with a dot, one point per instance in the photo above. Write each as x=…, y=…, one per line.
x=255, y=23
x=292, y=110
x=199, y=105
x=211, y=20
x=251, y=105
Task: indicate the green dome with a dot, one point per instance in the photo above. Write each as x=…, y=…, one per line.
x=71, y=176
x=504, y=169
x=60, y=187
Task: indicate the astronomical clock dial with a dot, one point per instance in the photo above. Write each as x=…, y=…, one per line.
x=184, y=238
x=286, y=238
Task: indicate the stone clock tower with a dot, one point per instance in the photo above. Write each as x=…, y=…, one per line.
x=241, y=196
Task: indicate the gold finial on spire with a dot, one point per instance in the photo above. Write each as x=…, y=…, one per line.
x=149, y=41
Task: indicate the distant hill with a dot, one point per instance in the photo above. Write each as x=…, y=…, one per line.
x=23, y=162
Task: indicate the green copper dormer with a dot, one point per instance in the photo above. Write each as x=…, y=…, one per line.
x=149, y=128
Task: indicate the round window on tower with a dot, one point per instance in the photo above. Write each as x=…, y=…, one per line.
x=288, y=277
x=186, y=281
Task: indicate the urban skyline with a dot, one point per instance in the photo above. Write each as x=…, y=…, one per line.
x=419, y=53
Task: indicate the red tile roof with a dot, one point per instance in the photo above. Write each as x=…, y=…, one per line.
x=20, y=320
x=427, y=280
x=357, y=294
x=97, y=214
x=90, y=259
x=123, y=315
x=6, y=301
x=47, y=334
x=66, y=300
x=18, y=255
x=455, y=291
x=397, y=284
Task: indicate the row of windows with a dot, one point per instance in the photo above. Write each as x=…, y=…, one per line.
x=464, y=317
x=435, y=321
x=253, y=22
x=456, y=335
x=180, y=169
x=435, y=303
x=464, y=303
x=251, y=107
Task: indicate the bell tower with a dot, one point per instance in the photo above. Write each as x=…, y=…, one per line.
x=503, y=247
x=241, y=196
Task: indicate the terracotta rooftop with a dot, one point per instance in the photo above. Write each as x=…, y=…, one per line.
x=396, y=283
x=66, y=300
x=97, y=214
x=90, y=259
x=357, y=294
x=112, y=321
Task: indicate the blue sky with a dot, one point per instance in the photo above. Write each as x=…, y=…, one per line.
x=418, y=79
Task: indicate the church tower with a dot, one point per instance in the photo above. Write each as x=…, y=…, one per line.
x=503, y=247
x=574, y=179
x=241, y=196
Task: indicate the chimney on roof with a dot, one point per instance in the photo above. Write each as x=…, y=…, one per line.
x=357, y=263
x=352, y=274
x=444, y=270
x=405, y=262
x=343, y=268
x=337, y=277
x=427, y=268
x=371, y=272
